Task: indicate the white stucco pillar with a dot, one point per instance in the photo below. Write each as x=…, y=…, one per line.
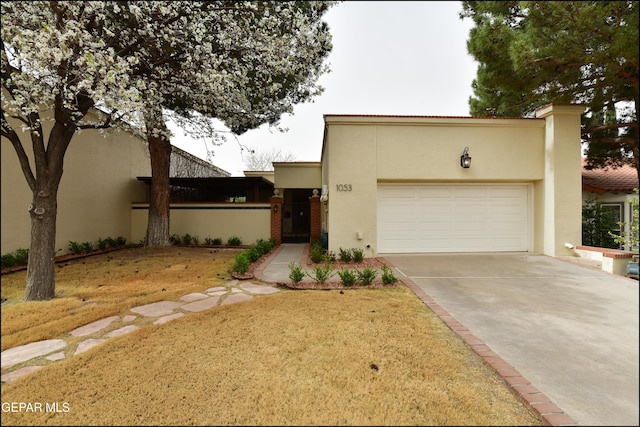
x=562, y=178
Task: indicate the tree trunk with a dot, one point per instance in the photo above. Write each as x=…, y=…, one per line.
x=44, y=210
x=41, y=266
x=160, y=153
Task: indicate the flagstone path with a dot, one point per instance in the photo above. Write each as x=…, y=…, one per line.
x=101, y=330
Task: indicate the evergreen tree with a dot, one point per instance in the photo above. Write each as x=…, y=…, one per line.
x=534, y=53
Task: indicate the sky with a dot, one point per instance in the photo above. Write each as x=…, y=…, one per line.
x=389, y=57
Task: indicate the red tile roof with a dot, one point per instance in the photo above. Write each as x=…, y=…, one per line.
x=609, y=180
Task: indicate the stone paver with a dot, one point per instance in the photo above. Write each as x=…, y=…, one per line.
x=87, y=344
x=216, y=289
x=122, y=331
x=201, y=305
x=129, y=318
x=156, y=309
x=193, y=297
x=94, y=327
x=165, y=319
x=258, y=289
x=56, y=356
x=12, y=376
x=19, y=354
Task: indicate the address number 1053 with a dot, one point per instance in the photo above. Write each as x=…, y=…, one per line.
x=343, y=187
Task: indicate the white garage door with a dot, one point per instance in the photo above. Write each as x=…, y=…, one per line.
x=452, y=218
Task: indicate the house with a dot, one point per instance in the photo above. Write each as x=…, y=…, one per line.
x=611, y=189
x=384, y=184
x=411, y=184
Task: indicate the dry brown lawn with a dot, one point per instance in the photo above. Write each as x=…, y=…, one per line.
x=297, y=357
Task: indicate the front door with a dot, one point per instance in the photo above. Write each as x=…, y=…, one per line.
x=296, y=220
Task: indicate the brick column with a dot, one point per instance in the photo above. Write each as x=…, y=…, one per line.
x=315, y=217
x=276, y=218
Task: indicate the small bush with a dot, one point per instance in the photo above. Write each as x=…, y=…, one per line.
x=102, y=244
x=175, y=239
x=345, y=255
x=75, y=247
x=348, y=277
x=367, y=275
x=242, y=262
x=388, y=278
x=295, y=272
x=18, y=257
x=187, y=239
x=87, y=246
x=358, y=254
x=120, y=241
x=264, y=246
x=8, y=260
x=254, y=253
x=329, y=256
x=322, y=274
x=234, y=241
x=316, y=254
x=214, y=241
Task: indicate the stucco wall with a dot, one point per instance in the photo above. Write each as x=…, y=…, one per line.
x=95, y=193
x=248, y=221
x=298, y=175
x=360, y=152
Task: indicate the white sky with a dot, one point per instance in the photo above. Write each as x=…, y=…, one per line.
x=391, y=57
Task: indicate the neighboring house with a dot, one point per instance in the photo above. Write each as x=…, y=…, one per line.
x=611, y=189
x=97, y=189
x=384, y=184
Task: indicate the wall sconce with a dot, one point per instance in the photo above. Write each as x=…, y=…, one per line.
x=275, y=208
x=465, y=159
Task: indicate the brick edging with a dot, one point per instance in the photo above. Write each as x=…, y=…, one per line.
x=528, y=393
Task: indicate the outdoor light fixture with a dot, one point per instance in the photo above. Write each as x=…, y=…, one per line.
x=465, y=159
x=275, y=208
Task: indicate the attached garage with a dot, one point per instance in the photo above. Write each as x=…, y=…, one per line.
x=453, y=218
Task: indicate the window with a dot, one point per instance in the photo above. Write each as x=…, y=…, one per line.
x=613, y=214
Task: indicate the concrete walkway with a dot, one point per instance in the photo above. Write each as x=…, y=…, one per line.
x=33, y=356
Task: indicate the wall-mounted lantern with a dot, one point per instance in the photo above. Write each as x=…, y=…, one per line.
x=465, y=159
x=275, y=208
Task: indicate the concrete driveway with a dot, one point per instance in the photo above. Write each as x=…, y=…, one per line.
x=570, y=330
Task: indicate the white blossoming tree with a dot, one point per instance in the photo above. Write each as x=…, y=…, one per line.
x=245, y=63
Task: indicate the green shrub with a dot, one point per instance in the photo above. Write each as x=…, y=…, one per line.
x=87, y=246
x=102, y=244
x=75, y=247
x=322, y=274
x=18, y=257
x=234, y=241
x=316, y=254
x=187, y=239
x=358, y=254
x=175, y=239
x=295, y=272
x=242, y=262
x=329, y=256
x=8, y=260
x=345, y=255
x=388, y=278
x=254, y=254
x=348, y=277
x=367, y=275
x=120, y=241
x=215, y=241
x=265, y=246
